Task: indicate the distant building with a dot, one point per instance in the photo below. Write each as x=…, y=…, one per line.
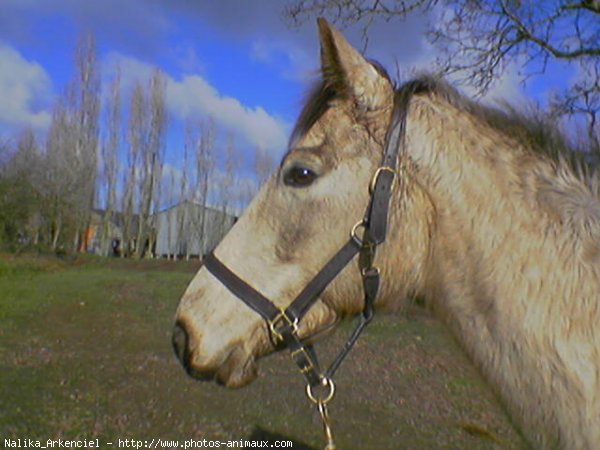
x=189, y=229
x=114, y=228
x=185, y=230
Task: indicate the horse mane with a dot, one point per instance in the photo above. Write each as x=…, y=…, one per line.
x=532, y=128
x=567, y=186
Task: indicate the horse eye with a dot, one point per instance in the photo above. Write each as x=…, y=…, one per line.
x=299, y=177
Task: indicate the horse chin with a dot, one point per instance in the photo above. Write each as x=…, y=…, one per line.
x=239, y=367
x=239, y=376
x=237, y=371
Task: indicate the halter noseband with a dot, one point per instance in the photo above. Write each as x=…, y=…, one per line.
x=283, y=323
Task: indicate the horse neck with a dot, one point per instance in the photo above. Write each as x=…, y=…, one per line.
x=505, y=277
x=473, y=179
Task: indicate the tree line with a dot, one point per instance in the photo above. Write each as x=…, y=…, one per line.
x=104, y=157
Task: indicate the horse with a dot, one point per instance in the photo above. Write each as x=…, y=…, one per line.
x=493, y=222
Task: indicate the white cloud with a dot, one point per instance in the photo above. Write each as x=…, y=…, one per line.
x=26, y=90
x=192, y=96
x=187, y=59
x=131, y=70
x=292, y=62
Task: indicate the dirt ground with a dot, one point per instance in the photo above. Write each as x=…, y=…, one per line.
x=85, y=353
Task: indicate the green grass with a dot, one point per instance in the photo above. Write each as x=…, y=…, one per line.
x=85, y=353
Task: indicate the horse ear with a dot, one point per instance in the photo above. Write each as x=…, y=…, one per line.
x=348, y=72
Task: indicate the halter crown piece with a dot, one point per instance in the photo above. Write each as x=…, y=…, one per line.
x=283, y=323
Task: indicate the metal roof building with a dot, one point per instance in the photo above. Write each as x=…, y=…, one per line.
x=189, y=229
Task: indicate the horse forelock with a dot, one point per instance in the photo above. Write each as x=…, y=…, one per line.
x=320, y=97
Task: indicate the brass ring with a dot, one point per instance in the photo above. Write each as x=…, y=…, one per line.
x=325, y=382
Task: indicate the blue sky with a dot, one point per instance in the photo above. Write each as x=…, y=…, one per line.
x=237, y=61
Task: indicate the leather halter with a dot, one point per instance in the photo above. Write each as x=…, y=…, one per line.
x=283, y=323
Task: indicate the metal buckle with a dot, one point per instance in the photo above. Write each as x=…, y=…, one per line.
x=376, y=176
x=369, y=272
x=282, y=319
x=310, y=365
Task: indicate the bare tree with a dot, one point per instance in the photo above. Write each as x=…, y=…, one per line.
x=28, y=162
x=232, y=164
x=72, y=153
x=264, y=165
x=174, y=222
x=351, y=12
x=205, y=164
x=191, y=140
x=189, y=149
x=84, y=103
x=63, y=179
x=247, y=189
x=152, y=155
x=110, y=157
x=60, y=185
x=478, y=39
x=227, y=185
x=136, y=141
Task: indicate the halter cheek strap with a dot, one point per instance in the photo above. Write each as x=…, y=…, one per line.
x=283, y=323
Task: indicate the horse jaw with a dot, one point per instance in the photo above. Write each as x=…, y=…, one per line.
x=226, y=347
x=240, y=367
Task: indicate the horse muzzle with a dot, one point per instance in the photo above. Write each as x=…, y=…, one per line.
x=233, y=369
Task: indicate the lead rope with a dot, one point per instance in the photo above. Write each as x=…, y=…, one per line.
x=322, y=407
x=370, y=278
x=321, y=404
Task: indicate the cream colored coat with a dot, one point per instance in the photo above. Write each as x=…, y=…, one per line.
x=503, y=241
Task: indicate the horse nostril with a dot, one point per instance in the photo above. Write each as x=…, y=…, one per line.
x=180, y=342
x=181, y=345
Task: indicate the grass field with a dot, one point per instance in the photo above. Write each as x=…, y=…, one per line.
x=85, y=353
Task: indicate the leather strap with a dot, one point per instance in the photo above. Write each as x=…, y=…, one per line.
x=376, y=218
x=238, y=287
x=371, y=287
x=300, y=305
